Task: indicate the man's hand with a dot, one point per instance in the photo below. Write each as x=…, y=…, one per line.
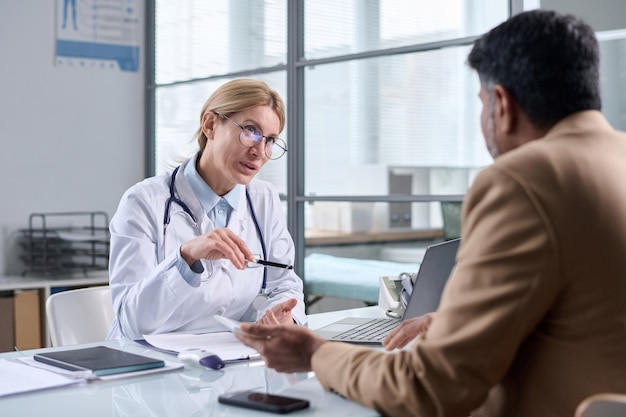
x=285, y=348
x=280, y=314
x=407, y=331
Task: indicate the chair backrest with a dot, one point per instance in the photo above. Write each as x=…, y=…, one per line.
x=603, y=405
x=79, y=316
x=451, y=214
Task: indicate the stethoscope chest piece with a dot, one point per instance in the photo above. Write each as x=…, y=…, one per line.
x=259, y=301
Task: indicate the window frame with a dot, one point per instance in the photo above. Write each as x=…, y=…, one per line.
x=295, y=68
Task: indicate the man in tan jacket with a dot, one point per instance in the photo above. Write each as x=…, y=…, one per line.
x=533, y=318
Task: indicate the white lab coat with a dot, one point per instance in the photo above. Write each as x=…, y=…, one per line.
x=149, y=293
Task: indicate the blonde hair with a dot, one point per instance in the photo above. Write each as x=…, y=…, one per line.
x=239, y=95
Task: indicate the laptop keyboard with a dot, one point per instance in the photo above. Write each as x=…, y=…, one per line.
x=374, y=330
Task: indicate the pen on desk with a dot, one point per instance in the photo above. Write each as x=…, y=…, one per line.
x=274, y=264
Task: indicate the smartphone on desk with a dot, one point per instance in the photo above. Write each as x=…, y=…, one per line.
x=264, y=402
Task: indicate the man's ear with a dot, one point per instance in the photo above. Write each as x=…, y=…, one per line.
x=505, y=109
x=208, y=125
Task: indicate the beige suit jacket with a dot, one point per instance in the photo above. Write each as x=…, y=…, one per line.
x=533, y=318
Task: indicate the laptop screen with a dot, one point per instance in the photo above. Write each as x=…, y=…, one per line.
x=432, y=276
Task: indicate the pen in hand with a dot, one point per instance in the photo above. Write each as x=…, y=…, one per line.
x=273, y=264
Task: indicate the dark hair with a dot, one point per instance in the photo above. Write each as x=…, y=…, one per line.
x=547, y=61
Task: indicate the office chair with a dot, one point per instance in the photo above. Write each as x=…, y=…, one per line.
x=79, y=316
x=451, y=214
x=603, y=405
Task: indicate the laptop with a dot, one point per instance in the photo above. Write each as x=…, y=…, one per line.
x=439, y=259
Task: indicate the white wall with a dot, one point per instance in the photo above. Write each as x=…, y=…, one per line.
x=70, y=139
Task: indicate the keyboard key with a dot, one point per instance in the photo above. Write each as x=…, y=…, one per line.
x=374, y=330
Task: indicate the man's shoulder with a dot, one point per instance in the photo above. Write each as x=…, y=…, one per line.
x=527, y=168
x=571, y=136
x=562, y=160
x=528, y=156
x=569, y=145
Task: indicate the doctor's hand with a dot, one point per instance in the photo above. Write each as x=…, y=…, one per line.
x=280, y=314
x=407, y=331
x=284, y=348
x=217, y=244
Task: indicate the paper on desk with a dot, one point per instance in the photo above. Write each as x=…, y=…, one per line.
x=16, y=378
x=223, y=344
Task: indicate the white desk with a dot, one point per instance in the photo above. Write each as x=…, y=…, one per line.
x=189, y=392
x=45, y=284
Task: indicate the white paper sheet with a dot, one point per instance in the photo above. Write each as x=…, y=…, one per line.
x=16, y=378
x=223, y=344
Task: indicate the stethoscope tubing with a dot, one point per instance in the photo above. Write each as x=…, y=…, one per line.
x=186, y=209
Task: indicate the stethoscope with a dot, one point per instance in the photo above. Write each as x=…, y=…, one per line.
x=262, y=295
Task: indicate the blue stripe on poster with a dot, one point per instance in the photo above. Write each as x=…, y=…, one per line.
x=127, y=57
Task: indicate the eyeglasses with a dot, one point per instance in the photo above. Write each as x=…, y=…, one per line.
x=249, y=137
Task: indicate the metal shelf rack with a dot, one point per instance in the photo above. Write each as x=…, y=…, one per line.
x=62, y=244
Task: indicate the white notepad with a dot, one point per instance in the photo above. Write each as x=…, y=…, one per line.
x=17, y=378
x=223, y=344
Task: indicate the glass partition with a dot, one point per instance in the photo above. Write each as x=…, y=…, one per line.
x=375, y=120
x=335, y=28
x=200, y=38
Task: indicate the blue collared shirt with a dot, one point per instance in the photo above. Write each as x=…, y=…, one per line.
x=217, y=208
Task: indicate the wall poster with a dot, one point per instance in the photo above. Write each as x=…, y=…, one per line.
x=98, y=34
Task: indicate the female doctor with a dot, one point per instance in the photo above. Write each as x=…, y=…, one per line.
x=184, y=244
